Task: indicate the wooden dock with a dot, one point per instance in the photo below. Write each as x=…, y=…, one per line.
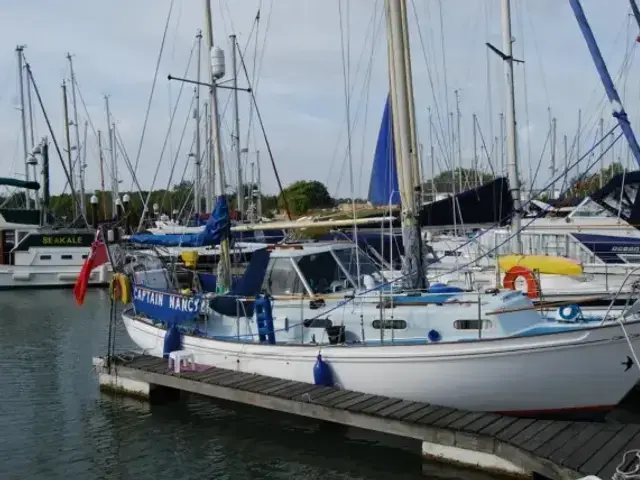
x=486, y=441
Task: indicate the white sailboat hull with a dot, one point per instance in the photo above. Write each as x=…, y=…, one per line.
x=13, y=277
x=575, y=370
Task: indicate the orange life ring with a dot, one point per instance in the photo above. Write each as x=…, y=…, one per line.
x=533, y=286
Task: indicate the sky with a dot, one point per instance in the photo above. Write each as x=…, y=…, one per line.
x=299, y=60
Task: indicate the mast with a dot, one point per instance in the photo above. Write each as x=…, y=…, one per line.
x=34, y=161
x=236, y=121
x=67, y=136
x=475, y=151
x=216, y=72
x=601, y=160
x=512, y=149
x=259, y=184
x=79, y=163
x=401, y=94
x=458, y=115
x=198, y=171
x=104, y=200
x=25, y=150
x=415, y=160
x=554, y=133
x=112, y=154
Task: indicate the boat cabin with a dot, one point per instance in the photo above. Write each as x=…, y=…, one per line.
x=317, y=269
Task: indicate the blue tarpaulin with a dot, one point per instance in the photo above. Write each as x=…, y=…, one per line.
x=217, y=228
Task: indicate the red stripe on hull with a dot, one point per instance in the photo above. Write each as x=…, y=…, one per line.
x=560, y=411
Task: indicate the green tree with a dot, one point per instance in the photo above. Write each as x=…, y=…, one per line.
x=303, y=196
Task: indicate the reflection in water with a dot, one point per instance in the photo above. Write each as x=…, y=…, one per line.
x=55, y=424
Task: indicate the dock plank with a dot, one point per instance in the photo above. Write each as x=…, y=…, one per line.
x=246, y=384
x=406, y=411
x=231, y=380
x=296, y=391
x=345, y=404
x=496, y=427
x=582, y=436
x=434, y=415
x=376, y=407
x=349, y=395
x=328, y=395
x=560, y=440
x=273, y=390
x=268, y=386
x=545, y=435
x=611, y=450
x=607, y=470
x=529, y=432
x=482, y=422
x=359, y=407
x=385, y=412
x=418, y=414
x=593, y=445
x=445, y=421
x=466, y=419
x=515, y=428
x=330, y=399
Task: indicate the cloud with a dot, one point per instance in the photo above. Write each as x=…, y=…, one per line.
x=300, y=86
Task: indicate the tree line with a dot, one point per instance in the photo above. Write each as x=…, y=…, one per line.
x=299, y=198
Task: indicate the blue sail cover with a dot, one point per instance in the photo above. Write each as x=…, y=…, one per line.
x=383, y=185
x=217, y=228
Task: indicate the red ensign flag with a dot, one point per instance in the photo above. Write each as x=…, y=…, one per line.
x=98, y=256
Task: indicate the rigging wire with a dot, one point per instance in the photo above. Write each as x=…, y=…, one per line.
x=153, y=87
x=164, y=145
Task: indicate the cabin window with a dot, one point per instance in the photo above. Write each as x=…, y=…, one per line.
x=45, y=257
x=472, y=324
x=390, y=324
x=66, y=257
x=281, y=278
x=355, y=260
x=322, y=273
x=86, y=255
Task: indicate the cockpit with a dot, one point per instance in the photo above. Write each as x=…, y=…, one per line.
x=321, y=270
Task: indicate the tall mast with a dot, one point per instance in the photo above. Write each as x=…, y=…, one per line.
x=236, y=121
x=102, y=195
x=259, y=201
x=401, y=95
x=198, y=172
x=458, y=117
x=512, y=149
x=112, y=153
x=32, y=133
x=67, y=136
x=78, y=164
x=25, y=150
x=216, y=72
x=554, y=141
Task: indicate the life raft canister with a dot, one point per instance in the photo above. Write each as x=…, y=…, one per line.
x=532, y=285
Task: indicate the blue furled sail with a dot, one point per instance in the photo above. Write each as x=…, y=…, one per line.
x=383, y=185
x=217, y=228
